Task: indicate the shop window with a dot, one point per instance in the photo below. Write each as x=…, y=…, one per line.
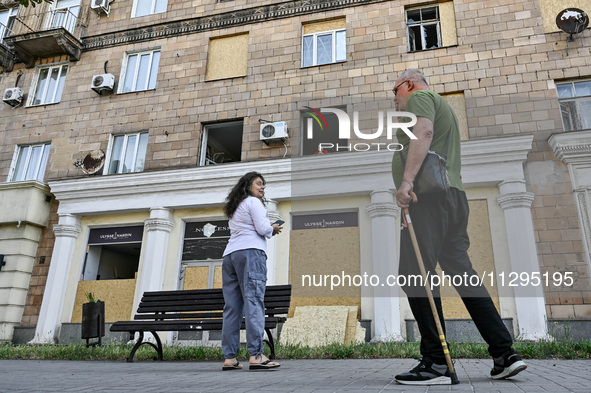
x=148, y=7
x=29, y=162
x=321, y=132
x=324, y=43
x=127, y=153
x=49, y=85
x=201, y=266
x=221, y=143
x=139, y=71
x=574, y=99
x=113, y=253
x=227, y=57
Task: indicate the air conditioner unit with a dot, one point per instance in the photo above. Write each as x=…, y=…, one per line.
x=103, y=82
x=99, y=6
x=272, y=131
x=13, y=96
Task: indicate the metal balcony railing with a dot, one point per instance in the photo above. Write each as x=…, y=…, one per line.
x=66, y=18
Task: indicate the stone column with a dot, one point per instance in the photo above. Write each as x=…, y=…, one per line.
x=529, y=300
x=66, y=232
x=158, y=228
x=272, y=243
x=384, y=213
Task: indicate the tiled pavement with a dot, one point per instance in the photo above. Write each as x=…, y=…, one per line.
x=357, y=375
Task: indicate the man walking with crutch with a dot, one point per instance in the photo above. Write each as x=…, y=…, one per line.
x=440, y=222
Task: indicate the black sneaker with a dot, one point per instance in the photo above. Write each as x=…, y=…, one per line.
x=507, y=366
x=426, y=373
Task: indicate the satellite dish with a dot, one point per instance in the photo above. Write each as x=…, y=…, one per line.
x=572, y=21
x=93, y=162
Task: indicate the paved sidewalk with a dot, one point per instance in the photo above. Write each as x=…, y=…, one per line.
x=363, y=375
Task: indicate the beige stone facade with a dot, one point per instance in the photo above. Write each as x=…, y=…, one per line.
x=505, y=65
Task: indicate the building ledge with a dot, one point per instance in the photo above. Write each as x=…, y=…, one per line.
x=487, y=162
x=30, y=46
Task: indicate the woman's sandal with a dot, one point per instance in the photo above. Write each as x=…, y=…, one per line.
x=235, y=366
x=266, y=365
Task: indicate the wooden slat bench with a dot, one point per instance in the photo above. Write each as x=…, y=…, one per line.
x=195, y=310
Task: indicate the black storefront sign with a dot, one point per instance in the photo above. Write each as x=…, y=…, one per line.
x=325, y=221
x=205, y=240
x=113, y=235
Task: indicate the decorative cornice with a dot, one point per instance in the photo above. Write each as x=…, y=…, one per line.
x=61, y=230
x=516, y=200
x=219, y=21
x=158, y=224
x=382, y=209
x=572, y=146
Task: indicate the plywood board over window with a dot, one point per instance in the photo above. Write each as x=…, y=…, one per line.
x=227, y=57
x=324, y=26
x=447, y=16
x=457, y=102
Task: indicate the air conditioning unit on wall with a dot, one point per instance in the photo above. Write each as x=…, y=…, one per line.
x=273, y=131
x=13, y=96
x=103, y=82
x=99, y=6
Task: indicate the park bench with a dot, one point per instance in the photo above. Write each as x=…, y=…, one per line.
x=195, y=310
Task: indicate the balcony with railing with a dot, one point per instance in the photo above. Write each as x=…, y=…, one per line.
x=45, y=34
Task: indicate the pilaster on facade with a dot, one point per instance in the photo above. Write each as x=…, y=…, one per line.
x=529, y=299
x=157, y=233
x=384, y=213
x=48, y=325
x=574, y=149
x=272, y=256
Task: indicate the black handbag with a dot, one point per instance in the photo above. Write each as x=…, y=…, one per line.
x=432, y=177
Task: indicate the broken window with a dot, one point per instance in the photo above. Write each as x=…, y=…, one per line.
x=424, y=28
x=221, y=143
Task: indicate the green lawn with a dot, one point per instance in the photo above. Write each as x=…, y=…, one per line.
x=561, y=349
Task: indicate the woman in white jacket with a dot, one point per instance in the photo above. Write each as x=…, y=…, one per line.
x=244, y=271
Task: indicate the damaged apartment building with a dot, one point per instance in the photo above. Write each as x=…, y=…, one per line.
x=125, y=123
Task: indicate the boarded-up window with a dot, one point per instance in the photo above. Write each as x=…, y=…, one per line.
x=458, y=104
x=227, y=57
x=449, y=35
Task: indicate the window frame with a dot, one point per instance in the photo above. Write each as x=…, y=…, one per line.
x=152, y=9
x=67, y=23
x=41, y=164
x=122, y=156
x=315, y=36
x=205, y=142
x=6, y=29
x=33, y=90
x=125, y=63
x=421, y=23
x=577, y=100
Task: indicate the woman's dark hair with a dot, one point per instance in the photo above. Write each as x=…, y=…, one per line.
x=240, y=192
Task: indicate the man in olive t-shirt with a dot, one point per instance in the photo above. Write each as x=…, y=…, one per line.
x=440, y=222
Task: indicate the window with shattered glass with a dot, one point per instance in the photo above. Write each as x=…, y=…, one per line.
x=423, y=28
x=574, y=99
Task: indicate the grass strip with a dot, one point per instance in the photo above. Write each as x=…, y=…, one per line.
x=564, y=349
